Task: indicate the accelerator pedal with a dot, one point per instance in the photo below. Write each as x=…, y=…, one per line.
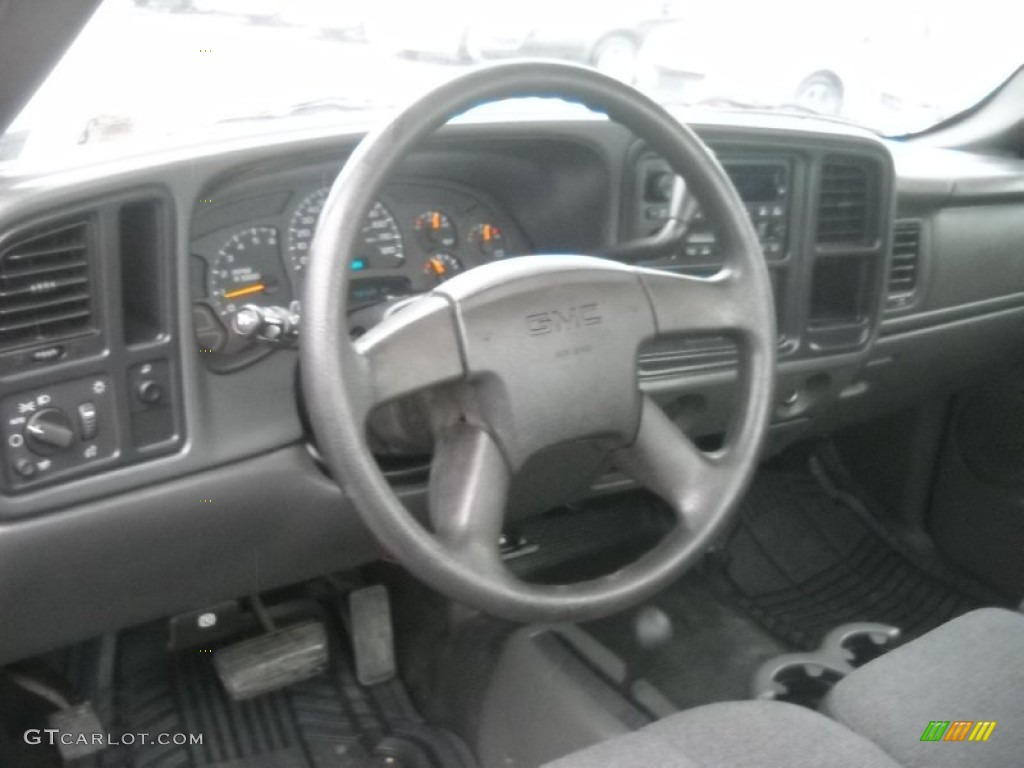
x=373, y=637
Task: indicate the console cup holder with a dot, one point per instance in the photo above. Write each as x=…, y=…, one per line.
x=804, y=678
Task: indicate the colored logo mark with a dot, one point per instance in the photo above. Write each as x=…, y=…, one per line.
x=958, y=730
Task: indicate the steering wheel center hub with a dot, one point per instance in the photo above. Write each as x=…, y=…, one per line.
x=550, y=346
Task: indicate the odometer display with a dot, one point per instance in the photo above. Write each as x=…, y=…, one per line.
x=380, y=245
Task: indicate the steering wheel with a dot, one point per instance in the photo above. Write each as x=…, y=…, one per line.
x=532, y=352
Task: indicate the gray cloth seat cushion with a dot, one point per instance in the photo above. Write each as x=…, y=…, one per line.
x=969, y=669
x=738, y=734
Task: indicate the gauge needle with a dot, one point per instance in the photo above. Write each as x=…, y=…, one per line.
x=487, y=233
x=437, y=267
x=246, y=291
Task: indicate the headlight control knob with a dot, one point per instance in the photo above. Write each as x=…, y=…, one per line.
x=49, y=431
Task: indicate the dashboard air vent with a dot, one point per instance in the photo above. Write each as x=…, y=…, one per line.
x=843, y=210
x=906, y=252
x=44, y=284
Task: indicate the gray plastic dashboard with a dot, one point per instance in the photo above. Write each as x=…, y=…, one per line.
x=137, y=540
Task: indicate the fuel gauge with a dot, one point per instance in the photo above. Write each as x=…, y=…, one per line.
x=489, y=240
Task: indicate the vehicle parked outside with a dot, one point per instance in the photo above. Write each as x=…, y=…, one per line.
x=331, y=17
x=436, y=30
x=608, y=37
x=882, y=64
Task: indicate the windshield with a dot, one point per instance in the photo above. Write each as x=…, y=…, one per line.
x=146, y=73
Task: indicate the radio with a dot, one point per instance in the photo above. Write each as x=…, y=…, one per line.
x=764, y=187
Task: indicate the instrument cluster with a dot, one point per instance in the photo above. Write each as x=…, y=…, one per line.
x=415, y=236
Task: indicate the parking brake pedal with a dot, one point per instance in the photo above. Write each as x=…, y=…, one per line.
x=274, y=660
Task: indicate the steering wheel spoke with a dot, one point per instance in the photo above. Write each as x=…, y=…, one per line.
x=469, y=481
x=688, y=304
x=667, y=462
x=386, y=350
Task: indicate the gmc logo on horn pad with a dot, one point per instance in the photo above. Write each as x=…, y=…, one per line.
x=559, y=320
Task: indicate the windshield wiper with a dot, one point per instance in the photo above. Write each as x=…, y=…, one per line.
x=727, y=103
x=107, y=126
x=311, y=107
x=785, y=108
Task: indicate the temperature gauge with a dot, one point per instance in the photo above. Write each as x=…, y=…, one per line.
x=442, y=266
x=489, y=240
x=435, y=230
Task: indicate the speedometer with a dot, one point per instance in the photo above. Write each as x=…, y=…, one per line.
x=247, y=270
x=380, y=245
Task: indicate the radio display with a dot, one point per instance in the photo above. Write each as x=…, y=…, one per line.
x=758, y=183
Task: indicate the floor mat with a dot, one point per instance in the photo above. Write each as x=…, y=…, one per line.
x=803, y=560
x=329, y=721
x=713, y=652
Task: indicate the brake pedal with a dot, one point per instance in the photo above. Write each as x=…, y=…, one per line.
x=373, y=638
x=80, y=732
x=272, y=661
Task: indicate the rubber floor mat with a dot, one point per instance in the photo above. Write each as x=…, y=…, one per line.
x=803, y=560
x=329, y=721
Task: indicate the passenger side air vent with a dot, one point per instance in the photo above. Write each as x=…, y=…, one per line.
x=844, y=216
x=44, y=284
x=903, y=272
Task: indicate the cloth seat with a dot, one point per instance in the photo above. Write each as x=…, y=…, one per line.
x=738, y=734
x=969, y=670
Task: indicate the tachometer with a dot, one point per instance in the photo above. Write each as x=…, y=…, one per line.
x=247, y=270
x=380, y=246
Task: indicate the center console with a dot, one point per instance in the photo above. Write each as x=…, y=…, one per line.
x=821, y=218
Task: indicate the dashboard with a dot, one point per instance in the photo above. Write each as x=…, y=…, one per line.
x=821, y=212
x=151, y=463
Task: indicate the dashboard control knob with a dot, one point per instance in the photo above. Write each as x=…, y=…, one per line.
x=88, y=421
x=149, y=392
x=25, y=468
x=49, y=431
